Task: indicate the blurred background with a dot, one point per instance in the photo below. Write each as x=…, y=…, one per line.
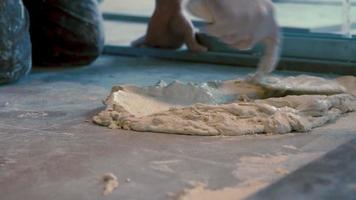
x=336, y=17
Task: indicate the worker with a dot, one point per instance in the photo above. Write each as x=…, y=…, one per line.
x=47, y=33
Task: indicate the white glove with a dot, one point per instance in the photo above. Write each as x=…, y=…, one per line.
x=242, y=24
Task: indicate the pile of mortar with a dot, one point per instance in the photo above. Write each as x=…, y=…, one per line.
x=236, y=107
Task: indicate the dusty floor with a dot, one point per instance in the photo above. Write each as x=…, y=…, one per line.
x=48, y=149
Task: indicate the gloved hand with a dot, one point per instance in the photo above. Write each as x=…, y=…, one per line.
x=241, y=24
x=169, y=28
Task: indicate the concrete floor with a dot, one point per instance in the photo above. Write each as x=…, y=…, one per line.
x=49, y=149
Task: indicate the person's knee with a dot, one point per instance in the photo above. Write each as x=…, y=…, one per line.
x=91, y=45
x=15, y=45
x=65, y=32
x=78, y=46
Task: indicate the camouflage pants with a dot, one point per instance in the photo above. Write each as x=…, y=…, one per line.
x=62, y=32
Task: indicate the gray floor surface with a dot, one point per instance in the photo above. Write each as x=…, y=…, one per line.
x=49, y=149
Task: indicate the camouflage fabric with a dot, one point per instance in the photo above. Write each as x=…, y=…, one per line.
x=15, y=47
x=63, y=32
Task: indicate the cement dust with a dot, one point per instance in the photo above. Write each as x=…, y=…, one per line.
x=201, y=192
x=254, y=174
x=110, y=183
x=276, y=105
